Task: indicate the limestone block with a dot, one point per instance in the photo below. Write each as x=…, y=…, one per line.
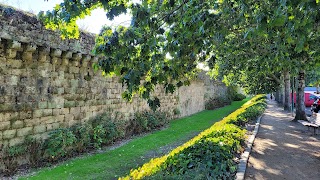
x=47, y=112
x=72, y=123
x=52, y=105
x=39, y=129
x=4, y=117
x=68, y=117
x=65, y=111
x=9, y=134
x=74, y=83
x=41, y=136
x=5, y=125
x=0, y=137
x=56, y=53
x=50, y=127
x=68, y=104
x=4, y=143
x=47, y=120
x=58, y=118
x=17, y=124
x=13, y=80
x=77, y=57
x=74, y=70
x=15, y=141
x=37, y=113
x=43, y=104
x=61, y=90
x=32, y=122
x=11, y=53
x=25, y=114
x=24, y=131
x=65, y=62
x=55, y=125
x=27, y=56
x=56, y=112
x=67, y=55
x=31, y=48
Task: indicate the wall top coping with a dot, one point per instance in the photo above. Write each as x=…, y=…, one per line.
x=17, y=25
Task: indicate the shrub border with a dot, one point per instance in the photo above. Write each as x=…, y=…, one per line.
x=154, y=165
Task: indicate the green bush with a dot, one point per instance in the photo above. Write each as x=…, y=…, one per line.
x=148, y=120
x=9, y=157
x=239, y=97
x=59, y=144
x=214, y=103
x=104, y=130
x=210, y=157
x=83, y=137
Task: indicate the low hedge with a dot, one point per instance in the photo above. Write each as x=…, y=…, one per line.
x=210, y=154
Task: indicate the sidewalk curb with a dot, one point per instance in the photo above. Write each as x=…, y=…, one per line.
x=242, y=166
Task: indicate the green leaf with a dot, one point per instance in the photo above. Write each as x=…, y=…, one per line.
x=279, y=21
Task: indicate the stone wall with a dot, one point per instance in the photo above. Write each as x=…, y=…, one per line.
x=47, y=83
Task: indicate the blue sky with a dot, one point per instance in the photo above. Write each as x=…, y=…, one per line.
x=92, y=24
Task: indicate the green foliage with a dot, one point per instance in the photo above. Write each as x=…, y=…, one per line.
x=60, y=143
x=210, y=154
x=82, y=134
x=9, y=156
x=104, y=130
x=148, y=120
x=34, y=151
x=214, y=103
x=239, y=97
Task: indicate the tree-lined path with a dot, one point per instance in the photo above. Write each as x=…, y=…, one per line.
x=283, y=149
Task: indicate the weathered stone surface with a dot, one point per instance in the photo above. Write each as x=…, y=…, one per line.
x=17, y=140
x=9, y=134
x=17, y=124
x=24, y=131
x=39, y=129
x=47, y=83
x=4, y=125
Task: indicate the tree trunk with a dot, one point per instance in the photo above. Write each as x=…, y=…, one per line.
x=300, y=107
x=286, y=104
x=277, y=95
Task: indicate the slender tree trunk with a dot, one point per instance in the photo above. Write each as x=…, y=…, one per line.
x=286, y=104
x=300, y=107
x=277, y=95
x=281, y=95
x=317, y=88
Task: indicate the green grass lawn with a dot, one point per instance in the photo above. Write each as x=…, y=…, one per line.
x=118, y=162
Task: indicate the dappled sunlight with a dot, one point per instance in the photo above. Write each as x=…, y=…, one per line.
x=283, y=148
x=261, y=165
x=294, y=135
x=291, y=145
x=267, y=127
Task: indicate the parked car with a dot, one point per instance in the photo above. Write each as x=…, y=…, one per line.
x=309, y=99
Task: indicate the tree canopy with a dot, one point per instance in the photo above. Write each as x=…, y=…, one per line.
x=168, y=38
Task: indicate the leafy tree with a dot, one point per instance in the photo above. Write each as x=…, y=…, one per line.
x=232, y=35
x=313, y=77
x=286, y=33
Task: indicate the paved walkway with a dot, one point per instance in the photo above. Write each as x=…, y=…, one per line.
x=283, y=149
